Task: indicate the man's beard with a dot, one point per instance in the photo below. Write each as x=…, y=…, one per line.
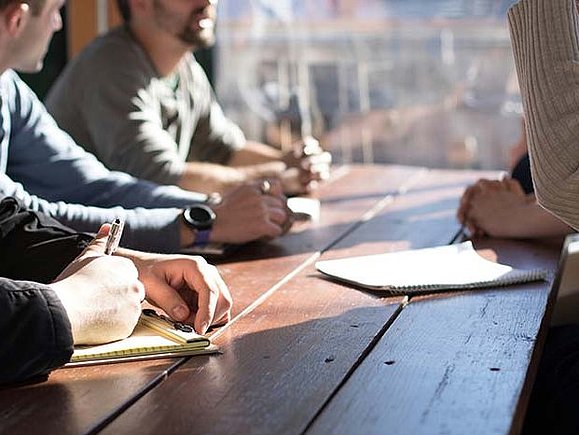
x=198, y=38
x=204, y=38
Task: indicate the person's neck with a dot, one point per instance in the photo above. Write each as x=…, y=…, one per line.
x=164, y=52
x=5, y=58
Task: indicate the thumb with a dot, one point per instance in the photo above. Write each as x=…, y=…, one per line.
x=98, y=244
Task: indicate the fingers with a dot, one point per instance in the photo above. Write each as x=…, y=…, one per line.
x=464, y=205
x=313, y=169
x=316, y=162
x=190, y=290
x=165, y=297
x=277, y=210
x=464, y=212
x=208, y=298
x=225, y=302
x=307, y=165
x=98, y=244
x=213, y=298
x=275, y=188
x=514, y=186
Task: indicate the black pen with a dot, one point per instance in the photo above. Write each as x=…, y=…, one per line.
x=114, y=236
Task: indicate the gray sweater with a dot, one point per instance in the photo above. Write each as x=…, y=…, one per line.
x=544, y=35
x=112, y=101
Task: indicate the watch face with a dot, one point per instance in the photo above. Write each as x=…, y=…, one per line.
x=199, y=217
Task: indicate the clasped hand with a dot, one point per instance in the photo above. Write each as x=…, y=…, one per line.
x=307, y=165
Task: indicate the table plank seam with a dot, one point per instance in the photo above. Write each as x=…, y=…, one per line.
x=358, y=362
x=388, y=199
x=99, y=426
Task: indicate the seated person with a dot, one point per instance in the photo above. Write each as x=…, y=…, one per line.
x=508, y=208
x=138, y=100
x=42, y=166
x=545, y=43
x=46, y=307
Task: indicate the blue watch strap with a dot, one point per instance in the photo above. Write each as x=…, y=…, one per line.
x=201, y=237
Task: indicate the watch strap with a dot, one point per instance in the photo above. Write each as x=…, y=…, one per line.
x=201, y=237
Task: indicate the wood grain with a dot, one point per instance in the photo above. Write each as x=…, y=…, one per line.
x=304, y=354
x=82, y=399
x=285, y=359
x=454, y=363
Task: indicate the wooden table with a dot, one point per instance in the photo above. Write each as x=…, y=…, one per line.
x=306, y=355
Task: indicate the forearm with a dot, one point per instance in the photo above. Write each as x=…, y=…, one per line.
x=535, y=222
x=546, y=49
x=254, y=153
x=36, y=331
x=209, y=177
x=150, y=229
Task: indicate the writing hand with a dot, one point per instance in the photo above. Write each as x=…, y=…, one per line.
x=100, y=293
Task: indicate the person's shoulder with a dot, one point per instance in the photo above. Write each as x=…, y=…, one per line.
x=115, y=49
x=190, y=60
x=9, y=76
x=194, y=68
x=11, y=84
x=112, y=63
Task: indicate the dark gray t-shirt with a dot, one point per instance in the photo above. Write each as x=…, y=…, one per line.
x=111, y=100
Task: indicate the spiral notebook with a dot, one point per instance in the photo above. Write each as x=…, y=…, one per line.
x=452, y=267
x=155, y=336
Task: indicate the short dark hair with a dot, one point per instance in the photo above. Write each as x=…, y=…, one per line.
x=35, y=5
x=124, y=9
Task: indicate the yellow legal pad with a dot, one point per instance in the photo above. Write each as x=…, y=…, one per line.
x=154, y=336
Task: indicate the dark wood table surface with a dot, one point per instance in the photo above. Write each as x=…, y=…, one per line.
x=307, y=355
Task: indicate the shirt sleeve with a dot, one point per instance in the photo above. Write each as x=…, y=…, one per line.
x=48, y=172
x=33, y=246
x=545, y=42
x=36, y=333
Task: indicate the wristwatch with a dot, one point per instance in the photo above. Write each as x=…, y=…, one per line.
x=200, y=219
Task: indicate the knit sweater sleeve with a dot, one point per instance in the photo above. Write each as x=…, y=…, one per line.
x=544, y=35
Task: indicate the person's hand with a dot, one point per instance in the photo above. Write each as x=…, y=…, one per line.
x=307, y=165
x=187, y=288
x=233, y=177
x=100, y=293
x=494, y=208
x=259, y=171
x=251, y=213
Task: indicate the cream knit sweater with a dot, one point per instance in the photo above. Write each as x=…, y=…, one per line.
x=544, y=35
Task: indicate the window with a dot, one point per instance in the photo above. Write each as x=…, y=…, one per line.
x=422, y=82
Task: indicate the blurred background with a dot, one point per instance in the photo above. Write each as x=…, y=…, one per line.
x=420, y=82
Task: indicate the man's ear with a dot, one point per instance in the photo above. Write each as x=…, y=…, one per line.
x=14, y=17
